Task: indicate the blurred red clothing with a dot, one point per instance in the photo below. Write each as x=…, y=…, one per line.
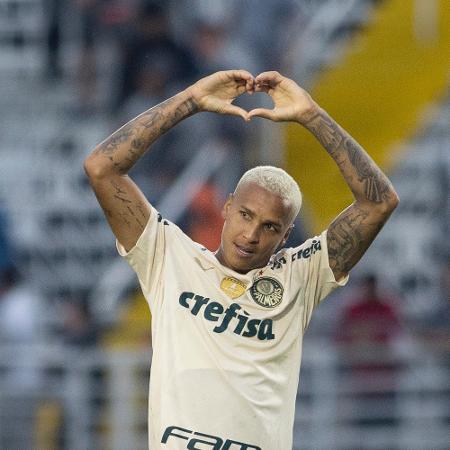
x=206, y=218
x=368, y=331
x=371, y=320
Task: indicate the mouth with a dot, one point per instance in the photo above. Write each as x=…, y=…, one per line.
x=244, y=252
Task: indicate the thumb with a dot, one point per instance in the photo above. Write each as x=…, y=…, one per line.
x=235, y=111
x=262, y=112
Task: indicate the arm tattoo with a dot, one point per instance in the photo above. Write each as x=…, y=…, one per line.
x=124, y=147
x=134, y=211
x=352, y=232
x=349, y=236
x=120, y=137
x=376, y=185
x=326, y=131
x=345, y=238
x=364, y=178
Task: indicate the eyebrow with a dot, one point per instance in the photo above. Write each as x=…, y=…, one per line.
x=272, y=222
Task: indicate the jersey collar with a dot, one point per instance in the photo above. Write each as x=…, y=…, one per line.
x=207, y=261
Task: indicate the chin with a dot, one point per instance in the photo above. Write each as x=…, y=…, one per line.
x=241, y=267
x=246, y=267
x=242, y=270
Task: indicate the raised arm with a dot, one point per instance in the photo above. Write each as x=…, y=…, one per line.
x=125, y=207
x=352, y=232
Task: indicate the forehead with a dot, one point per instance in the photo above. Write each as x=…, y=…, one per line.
x=265, y=204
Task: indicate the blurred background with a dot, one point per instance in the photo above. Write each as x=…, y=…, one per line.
x=74, y=329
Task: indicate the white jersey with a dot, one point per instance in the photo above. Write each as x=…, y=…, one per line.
x=226, y=346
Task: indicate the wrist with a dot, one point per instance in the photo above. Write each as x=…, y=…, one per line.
x=191, y=95
x=308, y=113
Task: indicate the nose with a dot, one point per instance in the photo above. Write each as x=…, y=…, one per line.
x=251, y=234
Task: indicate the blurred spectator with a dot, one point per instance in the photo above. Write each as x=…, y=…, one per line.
x=251, y=22
x=369, y=327
x=236, y=31
x=206, y=218
x=5, y=245
x=80, y=335
x=368, y=333
x=20, y=310
x=436, y=331
x=150, y=85
x=149, y=38
x=53, y=38
x=215, y=49
x=87, y=67
x=98, y=20
x=79, y=330
x=20, y=313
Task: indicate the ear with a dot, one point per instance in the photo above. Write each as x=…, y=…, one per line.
x=286, y=235
x=227, y=206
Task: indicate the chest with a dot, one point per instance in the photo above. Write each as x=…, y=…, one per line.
x=257, y=308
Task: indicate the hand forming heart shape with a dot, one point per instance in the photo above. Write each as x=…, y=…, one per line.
x=217, y=92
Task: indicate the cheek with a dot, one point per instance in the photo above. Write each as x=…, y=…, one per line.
x=273, y=244
x=231, y=227
x=227, y=233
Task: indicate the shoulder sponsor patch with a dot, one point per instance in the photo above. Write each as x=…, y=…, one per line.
x=307, y=252
x=267, y=292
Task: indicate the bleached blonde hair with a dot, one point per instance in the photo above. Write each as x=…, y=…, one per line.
x=278, y=182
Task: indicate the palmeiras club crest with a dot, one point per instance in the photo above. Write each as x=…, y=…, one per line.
x=267, y=292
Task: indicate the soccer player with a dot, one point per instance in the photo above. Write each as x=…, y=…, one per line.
x=227, y=326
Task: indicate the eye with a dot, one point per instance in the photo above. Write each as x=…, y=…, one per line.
x=270, y=227
x=244, y=214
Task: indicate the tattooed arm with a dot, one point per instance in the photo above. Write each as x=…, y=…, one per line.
x=352, y=232
x=124, y=205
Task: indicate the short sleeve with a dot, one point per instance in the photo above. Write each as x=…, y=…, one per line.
x=147, y=257
x=311, y=274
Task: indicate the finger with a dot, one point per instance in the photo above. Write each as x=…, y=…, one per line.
x=262, y=112
x=241, y=78
x=250, y=85
x=235, y=111
x=260, y=87
x=241, y=89
x=270, y=78
x=244, y=74
x=239, y=75
x=243, y=86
